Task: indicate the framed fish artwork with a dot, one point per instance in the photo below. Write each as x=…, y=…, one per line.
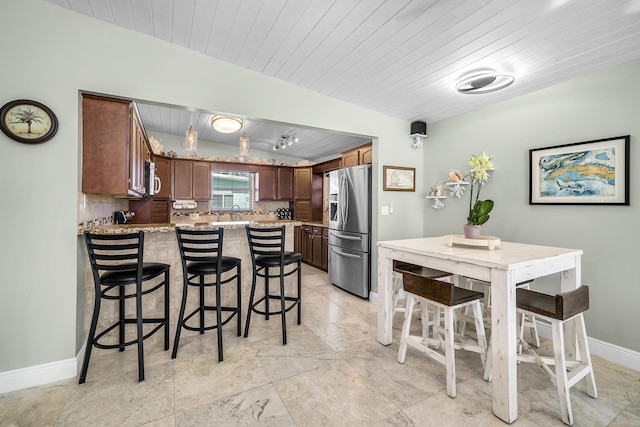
x=582, y=173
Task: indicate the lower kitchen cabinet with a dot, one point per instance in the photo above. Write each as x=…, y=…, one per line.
x=313, y=243
x=150, y=211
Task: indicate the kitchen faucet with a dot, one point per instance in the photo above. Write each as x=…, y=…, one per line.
x=232, y=215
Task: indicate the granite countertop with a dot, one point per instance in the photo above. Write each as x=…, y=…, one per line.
x=164, y=228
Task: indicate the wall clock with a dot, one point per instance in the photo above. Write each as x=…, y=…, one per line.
x=28, y=121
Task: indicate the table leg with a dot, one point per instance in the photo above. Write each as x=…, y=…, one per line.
x=503, y=346
x=385, y=297
x=570, y=280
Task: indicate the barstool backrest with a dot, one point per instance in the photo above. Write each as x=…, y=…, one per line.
x=200, y=246
x=266, y=241
x=115, y=252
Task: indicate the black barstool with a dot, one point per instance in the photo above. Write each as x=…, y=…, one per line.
x=267, y=251
x=117, y=265
x=201, y=254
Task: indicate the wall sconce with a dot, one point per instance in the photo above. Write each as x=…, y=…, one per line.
x=418, y=133
x=191, y=139
x=244, y=145
x=225, y=124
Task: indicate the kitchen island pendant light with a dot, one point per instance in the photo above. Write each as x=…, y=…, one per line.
x=244, y=145
x=191, y=139
x=224, y=124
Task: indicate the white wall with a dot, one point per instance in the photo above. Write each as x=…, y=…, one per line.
x=602, y=105
x=60, y=53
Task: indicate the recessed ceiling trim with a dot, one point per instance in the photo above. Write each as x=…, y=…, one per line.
x=484, y=83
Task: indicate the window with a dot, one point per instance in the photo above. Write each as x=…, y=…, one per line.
x=232, y=188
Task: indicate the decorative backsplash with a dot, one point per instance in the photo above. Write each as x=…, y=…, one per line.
x=96, y=210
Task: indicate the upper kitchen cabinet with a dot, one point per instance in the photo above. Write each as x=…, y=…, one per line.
x=285, y=183
x=191, y=180
x=360, y=155
x=114, y=147
x=275, y=183
x=267, y=183
x=201, y=181
x=302, y=183
x=302, y=194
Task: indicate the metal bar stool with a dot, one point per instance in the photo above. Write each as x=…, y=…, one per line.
x=447, y=298
x=117, y=266
x=201, y=255
x=267, y=247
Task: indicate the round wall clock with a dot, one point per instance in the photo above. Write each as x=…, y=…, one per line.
x=28, y=121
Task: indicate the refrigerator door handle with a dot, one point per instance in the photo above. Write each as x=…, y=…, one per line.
x=346, y=254
x=344, y=196
x=340, y=236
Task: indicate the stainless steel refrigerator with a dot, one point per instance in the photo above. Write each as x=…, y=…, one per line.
x=350, y=229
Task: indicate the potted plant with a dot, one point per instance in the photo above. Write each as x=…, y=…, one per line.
x=478, y=209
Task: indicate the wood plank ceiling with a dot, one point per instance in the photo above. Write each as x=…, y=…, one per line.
x=399, y=57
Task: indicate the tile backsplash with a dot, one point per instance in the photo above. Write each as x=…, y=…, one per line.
x=98, y=210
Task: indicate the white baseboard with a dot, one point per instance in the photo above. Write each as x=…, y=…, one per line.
x=33, y=376
x=611, y=352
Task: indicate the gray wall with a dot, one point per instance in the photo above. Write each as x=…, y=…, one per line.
x=606, y=104
x=61, y=53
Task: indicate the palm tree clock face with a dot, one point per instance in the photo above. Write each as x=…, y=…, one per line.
x=28, y=121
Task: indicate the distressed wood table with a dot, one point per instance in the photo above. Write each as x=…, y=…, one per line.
x=506, y=265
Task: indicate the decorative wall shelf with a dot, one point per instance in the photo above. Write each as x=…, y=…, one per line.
x=456, y=189
x=437, y=202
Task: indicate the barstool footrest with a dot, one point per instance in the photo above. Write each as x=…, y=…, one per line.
x=233, y=311
x=295, y=301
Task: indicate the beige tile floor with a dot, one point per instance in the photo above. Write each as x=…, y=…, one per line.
x=332, y=372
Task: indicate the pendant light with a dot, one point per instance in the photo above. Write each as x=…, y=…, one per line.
x=191, y=138
x=244, y=145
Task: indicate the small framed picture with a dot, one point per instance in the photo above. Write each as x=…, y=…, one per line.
x=397, y=178
x=583, y=173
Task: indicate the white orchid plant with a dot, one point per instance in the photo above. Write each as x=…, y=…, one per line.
x=479, y=209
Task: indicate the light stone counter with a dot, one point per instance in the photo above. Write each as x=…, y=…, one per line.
x=160, y=245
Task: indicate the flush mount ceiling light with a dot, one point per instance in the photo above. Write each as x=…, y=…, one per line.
x=285, y=141
x=224, y=124
x=484, y=83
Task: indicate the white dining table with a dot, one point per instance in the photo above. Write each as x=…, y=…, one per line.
x=508, y=264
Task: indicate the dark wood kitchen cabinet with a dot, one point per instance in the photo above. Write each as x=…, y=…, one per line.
x=201, y=181
x=302, y=194
x=312, y=243
x=191, y=180
x=360, y=155
x=267, y=183
x=285, y=183
x=150, y=211
x=182, y=181
x=275, y=183
x=114, y=147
